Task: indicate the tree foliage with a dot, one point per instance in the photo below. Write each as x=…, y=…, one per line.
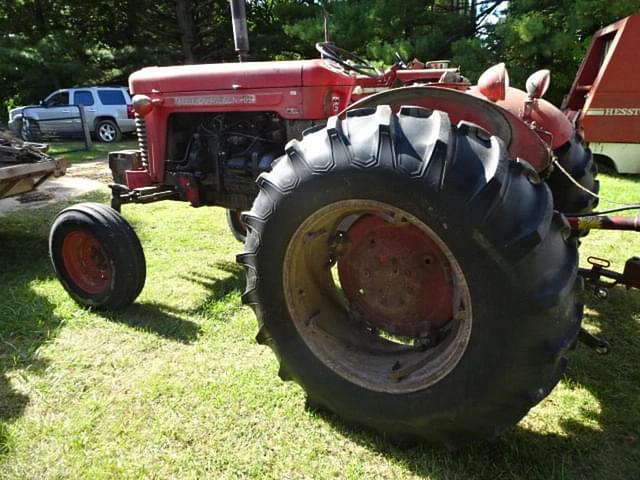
x=553, y=34
x=49, y=44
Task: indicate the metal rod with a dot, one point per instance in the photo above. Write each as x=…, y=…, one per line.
x=605, y=223
x=327, y=37
x=240, y=32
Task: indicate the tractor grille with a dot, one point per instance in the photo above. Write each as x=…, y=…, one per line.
x=141, y=130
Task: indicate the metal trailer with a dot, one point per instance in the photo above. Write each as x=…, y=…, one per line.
x=24, y=166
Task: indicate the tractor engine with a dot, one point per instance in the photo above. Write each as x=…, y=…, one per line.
x=225, y=152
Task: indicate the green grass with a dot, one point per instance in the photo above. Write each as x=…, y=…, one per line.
x=176, y=387
x=75, y=152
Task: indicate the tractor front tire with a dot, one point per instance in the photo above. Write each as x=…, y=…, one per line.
x=97, y=256
x=452, y=303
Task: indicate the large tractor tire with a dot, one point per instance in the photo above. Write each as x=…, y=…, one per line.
x=97, y=256
x=577, y=160
x=410, y=277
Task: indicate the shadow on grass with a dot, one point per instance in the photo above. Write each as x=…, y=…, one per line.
x=165, y=321
x=26, y=318
x=605, y=446
x=152, y=318
x=219, y=288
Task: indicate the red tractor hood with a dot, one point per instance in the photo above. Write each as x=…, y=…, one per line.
x=236, y=76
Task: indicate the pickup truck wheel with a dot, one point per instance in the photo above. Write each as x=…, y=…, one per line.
x=22, y=130
x=29, y=130
x=577, y=160
x=107, y=131
x=410, y=277
x=97, y=256
x=236, y=225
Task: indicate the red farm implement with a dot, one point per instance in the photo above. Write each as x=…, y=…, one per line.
x=604, y=100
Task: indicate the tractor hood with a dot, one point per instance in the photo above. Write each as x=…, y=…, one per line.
x=236, y=76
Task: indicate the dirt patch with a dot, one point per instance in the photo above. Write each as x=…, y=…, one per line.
x=35, y=196
x=92, y=170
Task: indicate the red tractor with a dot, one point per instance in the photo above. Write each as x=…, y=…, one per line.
x=405, y=252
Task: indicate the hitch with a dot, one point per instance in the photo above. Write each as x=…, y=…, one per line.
x=602, y=279
x=121, y=194
x=599, y=276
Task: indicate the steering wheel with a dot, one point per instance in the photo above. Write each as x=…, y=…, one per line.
x=400, y=61
x=349, y=61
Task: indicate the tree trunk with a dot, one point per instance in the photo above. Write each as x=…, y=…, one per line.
x=186, y=27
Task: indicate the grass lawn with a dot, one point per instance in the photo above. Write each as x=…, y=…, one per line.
x=176, y=387
x=75, y=152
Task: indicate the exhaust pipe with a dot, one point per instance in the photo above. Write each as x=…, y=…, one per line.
x=240, y=32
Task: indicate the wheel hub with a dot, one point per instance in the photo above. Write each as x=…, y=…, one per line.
x=86, y=261
x=368, y=320
x=396, y=277
x=107, y=132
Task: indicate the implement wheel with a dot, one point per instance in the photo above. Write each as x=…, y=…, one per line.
x=97, y=256
x=410, y=277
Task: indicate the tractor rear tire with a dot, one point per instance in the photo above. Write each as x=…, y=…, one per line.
x=97, y=256
x=576, y=158
x=410, y=208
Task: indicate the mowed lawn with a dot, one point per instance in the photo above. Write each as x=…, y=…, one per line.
x=176, y=386
x=75, y=151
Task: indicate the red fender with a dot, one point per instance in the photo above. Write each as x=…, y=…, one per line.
x=521, y=140
x=545, y=114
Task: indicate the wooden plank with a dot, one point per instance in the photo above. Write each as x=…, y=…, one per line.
x=24, y=169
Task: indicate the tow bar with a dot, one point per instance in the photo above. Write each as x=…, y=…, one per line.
x=599, y=277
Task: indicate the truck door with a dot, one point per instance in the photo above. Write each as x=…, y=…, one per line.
x=86, y=99
x=55, y=116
